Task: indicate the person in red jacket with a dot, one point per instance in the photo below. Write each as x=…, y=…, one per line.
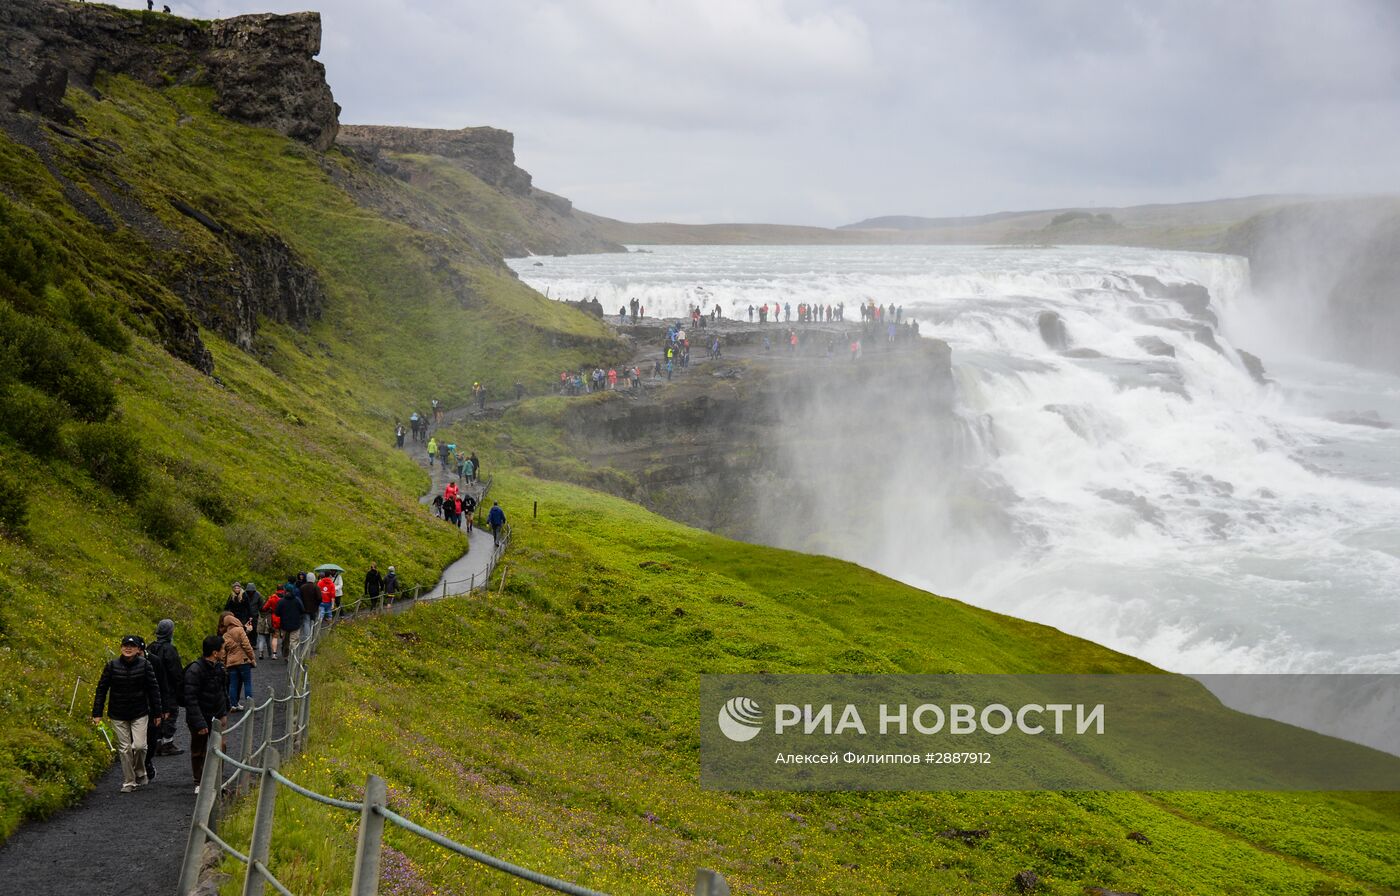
x=327, y=586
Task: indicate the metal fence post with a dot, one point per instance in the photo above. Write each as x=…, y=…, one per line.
x=367, y=851
x=249, y=729
x=203, y=812
x=254, y=879
x=710, y=883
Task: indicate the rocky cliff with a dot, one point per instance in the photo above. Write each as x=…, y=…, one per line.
x=1332, y=268
x=261, y=67
x=775, y=447
x=488, y=153
x=546, y=224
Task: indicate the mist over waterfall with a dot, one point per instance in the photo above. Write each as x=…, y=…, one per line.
x=1117, y=462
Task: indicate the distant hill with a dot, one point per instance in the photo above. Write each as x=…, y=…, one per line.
x=1188, y=225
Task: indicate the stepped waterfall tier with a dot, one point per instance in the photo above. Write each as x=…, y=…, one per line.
x=1131, y=455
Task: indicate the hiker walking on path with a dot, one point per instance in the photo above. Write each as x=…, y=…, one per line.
x=166, y=656
x=476, y=467
x=496, y=518
x=398, y=434
x=290, y=614
x=265, y=635
x=374, y=584
x=130, y=695
x=391, y=585
x=481, y=397
x=241, y=605
x=432, y=450
x=239, y=661
x=167, y=700
x=206, y=701
x=326, y=586
x=310, y=602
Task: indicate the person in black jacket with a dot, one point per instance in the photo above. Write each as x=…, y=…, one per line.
x=241, y=605
x=130, y=683
x=290, y=615
x=170, y=670
x=310, y=603
x=206, y=701
x=374, y=584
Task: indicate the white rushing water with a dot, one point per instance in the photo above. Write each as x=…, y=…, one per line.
x=1168, y=506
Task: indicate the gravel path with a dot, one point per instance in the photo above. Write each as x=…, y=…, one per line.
x=118, y=843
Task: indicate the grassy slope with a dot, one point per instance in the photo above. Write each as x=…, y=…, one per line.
x=295, y=438
x=554, y=724
x=520, y=724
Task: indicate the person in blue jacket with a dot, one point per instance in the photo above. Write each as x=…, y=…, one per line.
x=497, y=519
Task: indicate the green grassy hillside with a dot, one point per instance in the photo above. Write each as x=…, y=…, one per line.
x=133, y=486
x=553, y=723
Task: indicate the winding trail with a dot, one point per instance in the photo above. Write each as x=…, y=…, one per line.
x=115, y=844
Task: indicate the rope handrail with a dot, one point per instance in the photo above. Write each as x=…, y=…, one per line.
x=218, y=841
x=491, y=861
x=313, y=795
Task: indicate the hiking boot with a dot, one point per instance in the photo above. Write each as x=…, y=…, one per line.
x=196, y=790
x=168, y=750
x=128, y=788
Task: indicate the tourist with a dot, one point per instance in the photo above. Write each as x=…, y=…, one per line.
x=391, y=585
x=270, y=624
x=496, y=519
x=310, y=601
x=374, y=584
x=265, y=632
x=326, y=585
x=241, y=606
x=432, y=450
x=163, y=654
x=130, y=695
x=291, y=612
x=206, y=701
x=239, y=661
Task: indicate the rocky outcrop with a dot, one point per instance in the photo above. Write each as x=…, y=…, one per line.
x=262, y=276
x=264, y=73
x=260, y=66
x=1332, y=271
x=1052, y=330
x=488, y=153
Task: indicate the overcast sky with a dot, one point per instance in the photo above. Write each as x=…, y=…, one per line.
x=828, y=111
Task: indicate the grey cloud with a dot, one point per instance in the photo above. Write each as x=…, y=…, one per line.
x=822, y=111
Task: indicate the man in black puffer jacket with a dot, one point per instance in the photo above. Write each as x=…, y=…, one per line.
x=130, y=681
x=206, y=701
x=163, y=654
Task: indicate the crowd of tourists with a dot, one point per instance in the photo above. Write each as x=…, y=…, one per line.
x=585, y=382
x=142, y=691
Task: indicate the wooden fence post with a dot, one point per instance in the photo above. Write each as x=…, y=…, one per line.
x=254, y=880
x=369, y=847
